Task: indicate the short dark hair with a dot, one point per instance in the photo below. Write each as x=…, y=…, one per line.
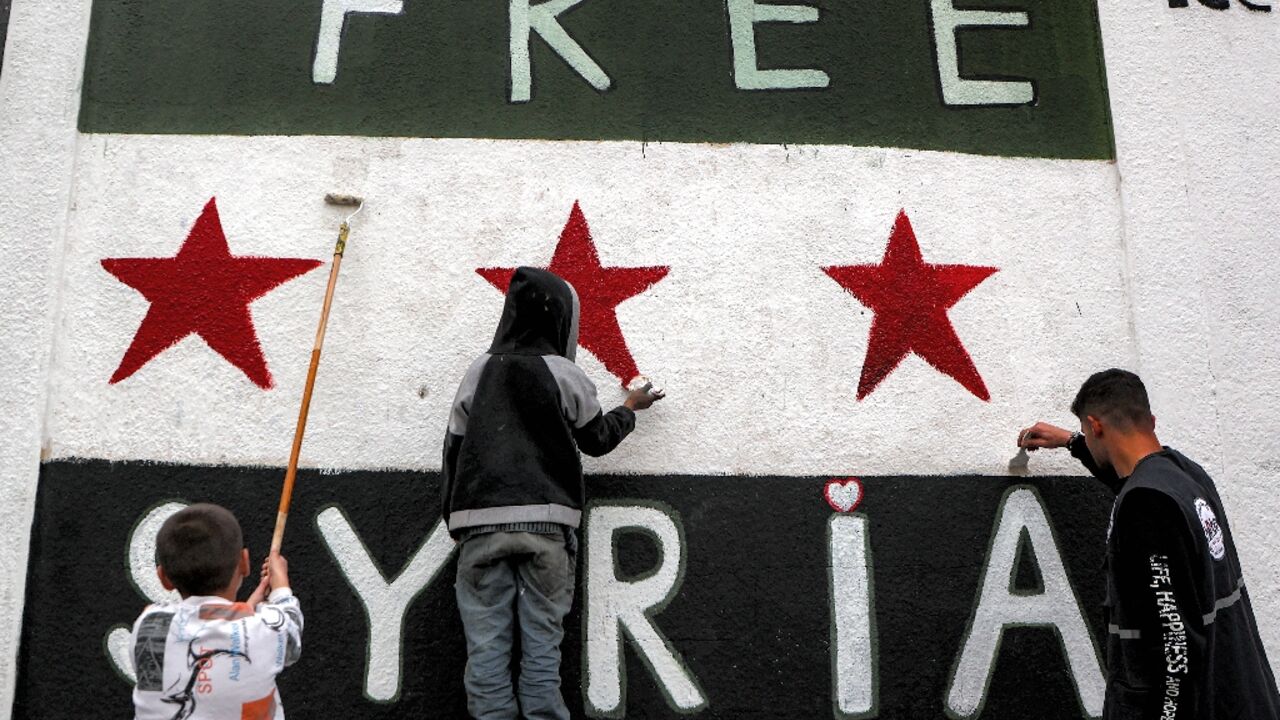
x=199, y=548
x=1117, y=396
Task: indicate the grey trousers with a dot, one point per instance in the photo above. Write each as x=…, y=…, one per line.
x=508, y=581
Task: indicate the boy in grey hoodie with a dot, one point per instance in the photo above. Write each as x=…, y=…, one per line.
x=513, y=494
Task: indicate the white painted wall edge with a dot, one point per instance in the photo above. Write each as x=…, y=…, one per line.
x=1197, y=125
x=39, y=103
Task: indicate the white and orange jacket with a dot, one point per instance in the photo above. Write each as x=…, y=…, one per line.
x=208, y=658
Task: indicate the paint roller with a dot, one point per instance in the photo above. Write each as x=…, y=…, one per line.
x=286, y=494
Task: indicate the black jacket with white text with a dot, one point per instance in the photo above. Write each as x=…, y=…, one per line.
x=1182, y=642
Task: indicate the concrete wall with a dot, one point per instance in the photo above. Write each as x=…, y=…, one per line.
x=37, y=85
x=1195, y=137
x=1160, y=261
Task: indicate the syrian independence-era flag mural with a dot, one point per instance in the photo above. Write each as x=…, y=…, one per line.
x=858, y=244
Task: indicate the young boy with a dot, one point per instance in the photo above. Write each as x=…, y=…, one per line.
x=513, y=494
x=210, y=657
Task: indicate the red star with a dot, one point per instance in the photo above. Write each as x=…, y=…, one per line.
x=600, y=291
x=910, y=299
x=205, y=290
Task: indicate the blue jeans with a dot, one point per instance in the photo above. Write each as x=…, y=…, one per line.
x=505, y=580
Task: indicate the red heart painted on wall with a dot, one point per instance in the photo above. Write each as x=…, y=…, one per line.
x=843, y=494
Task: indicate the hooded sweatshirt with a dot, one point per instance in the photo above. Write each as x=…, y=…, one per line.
x=523, y=412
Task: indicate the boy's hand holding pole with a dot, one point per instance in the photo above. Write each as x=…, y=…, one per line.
x=275, y=574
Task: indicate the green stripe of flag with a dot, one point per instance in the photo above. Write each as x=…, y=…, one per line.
x=998, y=80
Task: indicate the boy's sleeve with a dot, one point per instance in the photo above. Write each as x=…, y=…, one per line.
x=458, y=416
x=603, y=432
x=452, y=443
x=281, y=616
x=595, y=431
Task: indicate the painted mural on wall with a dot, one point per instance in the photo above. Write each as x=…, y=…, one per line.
x=925, y=599
x=599, y=289
x=1222, y=4
x=910, y=299
x=206, y=291
x=924, y=74
x=810, y=224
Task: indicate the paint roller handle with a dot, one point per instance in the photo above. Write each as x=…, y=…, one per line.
x=341, y=246
x=286, y=493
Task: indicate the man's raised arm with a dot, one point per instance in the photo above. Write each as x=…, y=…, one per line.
x=1044, y=435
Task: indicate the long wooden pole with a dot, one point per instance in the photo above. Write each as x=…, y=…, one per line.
x=286, y=495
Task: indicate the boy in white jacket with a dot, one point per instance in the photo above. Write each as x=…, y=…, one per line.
x=209, y=657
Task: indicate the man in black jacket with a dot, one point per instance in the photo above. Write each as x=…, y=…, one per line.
x=1182, y=642
x=513, y=494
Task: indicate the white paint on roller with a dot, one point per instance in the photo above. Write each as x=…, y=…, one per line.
x=333, y=18
x=615, y=609
x=854, y=665
x=747, y=75
x=527, y=19
x=956, y=90
x=1000, y=607
x=385, y=602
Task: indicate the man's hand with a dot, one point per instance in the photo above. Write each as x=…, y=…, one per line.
x=642, y=398
x=1043, y=435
